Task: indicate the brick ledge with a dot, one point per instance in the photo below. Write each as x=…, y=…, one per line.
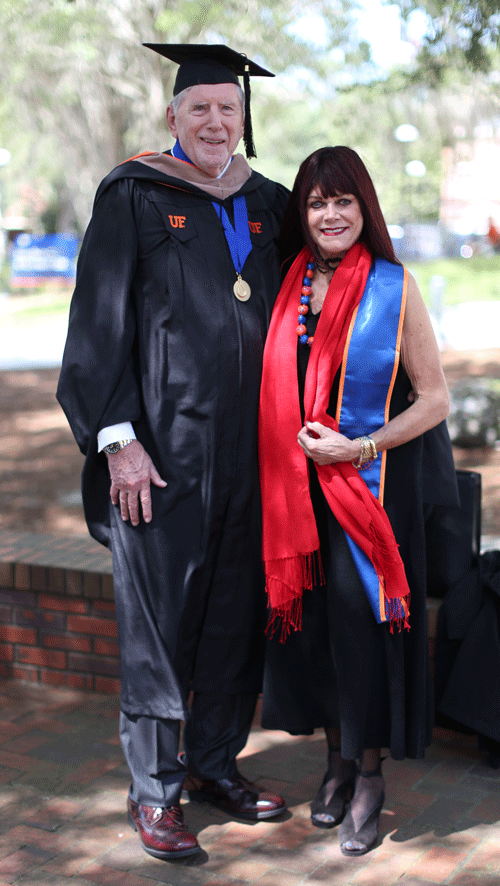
x=57, y=614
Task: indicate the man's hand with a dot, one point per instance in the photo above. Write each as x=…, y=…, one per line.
x=132, y=472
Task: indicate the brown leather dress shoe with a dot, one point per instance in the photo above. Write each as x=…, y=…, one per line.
x=162, y=830
x=236, y=796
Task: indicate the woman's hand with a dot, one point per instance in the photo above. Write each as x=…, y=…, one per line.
x=325, y=446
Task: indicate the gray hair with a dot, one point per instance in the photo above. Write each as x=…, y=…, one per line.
x=179, y=98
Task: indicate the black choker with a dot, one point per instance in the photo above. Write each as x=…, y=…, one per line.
x=324, y=265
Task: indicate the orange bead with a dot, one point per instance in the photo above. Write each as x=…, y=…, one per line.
x=309, y=274
x=301, y=330
x=310, y=340
x=303, y=309
x=306, y=290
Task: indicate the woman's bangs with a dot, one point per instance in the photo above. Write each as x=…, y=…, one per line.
x=331, y=182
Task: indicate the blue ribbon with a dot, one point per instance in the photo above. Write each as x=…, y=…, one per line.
x=238, y=238
x=179, y=154
x=370, y=363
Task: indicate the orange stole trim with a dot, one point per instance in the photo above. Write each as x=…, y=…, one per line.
x=344, y=363
x=136, y=156
x=397, y=355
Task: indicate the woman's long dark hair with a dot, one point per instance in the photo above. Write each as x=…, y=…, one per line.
x=334, y=171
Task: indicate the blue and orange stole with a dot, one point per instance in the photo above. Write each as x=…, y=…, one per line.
x=359, y=329
x=369, y=366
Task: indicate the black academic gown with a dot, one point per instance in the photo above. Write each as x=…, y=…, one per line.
x=157, y=337
x=468, y=651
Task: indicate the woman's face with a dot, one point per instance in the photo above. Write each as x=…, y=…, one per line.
x=335, y=223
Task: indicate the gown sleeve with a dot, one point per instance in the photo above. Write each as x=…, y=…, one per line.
x=98, y=385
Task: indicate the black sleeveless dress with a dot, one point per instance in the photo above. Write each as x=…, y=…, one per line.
x=343, y=669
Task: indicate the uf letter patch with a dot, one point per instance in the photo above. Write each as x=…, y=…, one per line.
x=177, y=221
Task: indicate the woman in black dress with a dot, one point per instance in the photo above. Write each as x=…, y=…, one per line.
x=347, y=393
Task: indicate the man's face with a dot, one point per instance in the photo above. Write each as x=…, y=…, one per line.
x=209, y=124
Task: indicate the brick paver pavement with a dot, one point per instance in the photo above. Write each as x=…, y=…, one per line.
x=63, y=786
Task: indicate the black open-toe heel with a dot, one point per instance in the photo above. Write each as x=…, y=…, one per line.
x=329, y=805
x=366, y=806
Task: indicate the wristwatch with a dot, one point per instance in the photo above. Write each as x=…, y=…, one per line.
x=111, y=448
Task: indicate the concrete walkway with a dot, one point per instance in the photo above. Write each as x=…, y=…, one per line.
x=33, y=344
x=63, y=787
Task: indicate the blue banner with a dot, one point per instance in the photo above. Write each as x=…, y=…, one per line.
x=35, y=260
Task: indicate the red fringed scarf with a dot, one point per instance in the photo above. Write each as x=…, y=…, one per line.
x=290, y=537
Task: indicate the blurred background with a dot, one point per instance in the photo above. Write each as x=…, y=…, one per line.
x=412, y=86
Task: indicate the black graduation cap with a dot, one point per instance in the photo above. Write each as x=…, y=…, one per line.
x=216, y=63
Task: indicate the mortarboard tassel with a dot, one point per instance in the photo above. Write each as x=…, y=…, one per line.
x=248, y=134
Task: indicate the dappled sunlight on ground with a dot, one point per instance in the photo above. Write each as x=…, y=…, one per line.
x=40, y=464
x=64, y=783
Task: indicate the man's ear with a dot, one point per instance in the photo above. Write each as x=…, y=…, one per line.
x=171, y=121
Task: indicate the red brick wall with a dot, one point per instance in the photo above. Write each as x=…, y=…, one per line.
x=58, y=626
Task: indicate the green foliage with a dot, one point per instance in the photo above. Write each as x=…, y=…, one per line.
x=79, y=94
x=462, y=34
x=467, y=279
x=365, y=116
x=4, y=276
x=40, y=303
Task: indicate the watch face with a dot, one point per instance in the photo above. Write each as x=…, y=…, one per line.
x=112, y=448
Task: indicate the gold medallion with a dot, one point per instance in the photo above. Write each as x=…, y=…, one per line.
x=241, y=289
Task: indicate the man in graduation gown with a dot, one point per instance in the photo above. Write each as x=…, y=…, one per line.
x=176, y=280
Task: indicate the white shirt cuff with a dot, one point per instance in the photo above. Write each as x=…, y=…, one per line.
x=113, y=433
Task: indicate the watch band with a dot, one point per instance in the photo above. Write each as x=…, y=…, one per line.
x=111, y=448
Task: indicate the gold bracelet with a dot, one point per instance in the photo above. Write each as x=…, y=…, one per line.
x=373, y=447
x=368, y=452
